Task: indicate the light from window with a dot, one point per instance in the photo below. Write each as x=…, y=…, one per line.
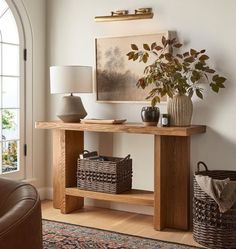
x=9, y=91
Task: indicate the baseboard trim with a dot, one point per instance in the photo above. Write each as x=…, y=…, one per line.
x=45, y=193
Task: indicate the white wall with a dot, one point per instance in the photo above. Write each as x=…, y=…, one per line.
x=71, y=31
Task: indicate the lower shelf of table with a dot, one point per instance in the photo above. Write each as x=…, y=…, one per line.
x=134, y=196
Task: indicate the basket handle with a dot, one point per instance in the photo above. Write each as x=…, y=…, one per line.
x=199, y=165
x=126, y=158
x=85, y=152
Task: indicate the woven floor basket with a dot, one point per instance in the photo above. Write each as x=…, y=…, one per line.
x=210, y=227
x=111, y=176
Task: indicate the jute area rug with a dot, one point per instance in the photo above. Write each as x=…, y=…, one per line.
x=58, y=235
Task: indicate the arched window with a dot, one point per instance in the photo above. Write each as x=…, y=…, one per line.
x=11, y=94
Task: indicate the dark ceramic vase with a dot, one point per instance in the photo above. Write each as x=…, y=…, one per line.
x=150, y=115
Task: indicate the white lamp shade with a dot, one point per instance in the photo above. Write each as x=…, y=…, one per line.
x=71, y=79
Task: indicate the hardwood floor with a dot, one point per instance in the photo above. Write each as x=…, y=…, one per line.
x=117, y=221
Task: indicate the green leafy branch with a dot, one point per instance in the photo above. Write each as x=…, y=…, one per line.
x=173, y=72
x=8, y=120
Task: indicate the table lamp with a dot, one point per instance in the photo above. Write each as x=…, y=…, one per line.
x=71, y=79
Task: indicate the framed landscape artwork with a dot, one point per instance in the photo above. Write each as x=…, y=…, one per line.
x=116, y=76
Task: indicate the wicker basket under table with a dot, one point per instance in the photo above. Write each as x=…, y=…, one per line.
x=210, y=227
x=111, y=176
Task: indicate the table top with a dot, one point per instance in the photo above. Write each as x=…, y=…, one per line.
x=137, y=128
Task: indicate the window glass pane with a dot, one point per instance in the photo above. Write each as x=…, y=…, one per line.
x=0, y=56
x=10, y=92
x=10, y=156
x=10, y=60
x=3, y=6
x=9, y=28
x=1, y=128
x=10, y=124
x=0, y=96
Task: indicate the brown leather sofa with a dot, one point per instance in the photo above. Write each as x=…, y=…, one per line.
x=20, y=216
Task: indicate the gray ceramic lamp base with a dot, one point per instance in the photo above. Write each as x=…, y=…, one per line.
x=71, y=109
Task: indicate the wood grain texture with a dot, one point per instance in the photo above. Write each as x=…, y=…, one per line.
x=171, y=176
x=140, y=197
x=73, y=146
x=67, y=145
x=160, y=176
x=172, y=180
x=124, y=128
x=58, y=141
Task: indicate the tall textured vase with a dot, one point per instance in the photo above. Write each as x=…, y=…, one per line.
x=180, y=109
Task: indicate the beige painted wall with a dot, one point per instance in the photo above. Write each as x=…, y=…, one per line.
x=71, y=31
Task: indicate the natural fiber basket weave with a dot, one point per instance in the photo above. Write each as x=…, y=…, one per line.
x=210, y=227
x=114, y=175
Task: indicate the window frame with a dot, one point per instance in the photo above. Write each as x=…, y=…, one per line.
x=26, y=90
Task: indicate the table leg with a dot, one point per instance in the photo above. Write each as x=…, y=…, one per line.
x=172, y=182
x=67, y=145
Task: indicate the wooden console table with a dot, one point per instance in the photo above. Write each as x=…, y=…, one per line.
x=170, y=198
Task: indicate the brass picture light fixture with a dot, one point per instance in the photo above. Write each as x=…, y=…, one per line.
x=123, y=15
